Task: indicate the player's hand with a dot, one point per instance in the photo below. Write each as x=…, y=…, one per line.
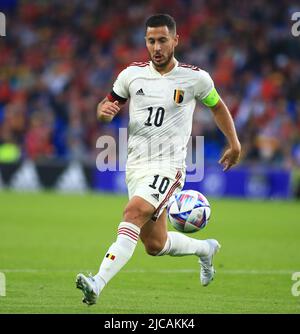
x=230, y=158
x=107, y=111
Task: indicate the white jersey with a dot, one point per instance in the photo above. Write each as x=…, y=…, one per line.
x=160, y=112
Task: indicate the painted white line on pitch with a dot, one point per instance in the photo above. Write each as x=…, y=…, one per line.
x=220, y=271
x=160, y=271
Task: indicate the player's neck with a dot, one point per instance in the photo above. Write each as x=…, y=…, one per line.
x=169, y=67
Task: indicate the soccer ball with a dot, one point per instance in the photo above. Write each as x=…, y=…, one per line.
x=188, y=211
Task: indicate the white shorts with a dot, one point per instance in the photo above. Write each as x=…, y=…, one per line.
x=156, y=187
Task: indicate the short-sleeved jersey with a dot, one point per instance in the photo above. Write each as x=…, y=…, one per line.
x=160, y=111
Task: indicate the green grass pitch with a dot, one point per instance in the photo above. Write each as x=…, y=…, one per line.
x=47, y=238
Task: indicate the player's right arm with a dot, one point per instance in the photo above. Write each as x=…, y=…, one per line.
x=111, y=104
x=106, y=110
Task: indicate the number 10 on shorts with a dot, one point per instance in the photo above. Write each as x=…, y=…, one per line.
x=162, y=186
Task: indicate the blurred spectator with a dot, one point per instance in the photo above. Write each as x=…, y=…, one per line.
x=9, y=151
x=38, y=144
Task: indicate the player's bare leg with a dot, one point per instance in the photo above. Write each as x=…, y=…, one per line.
x=154, y=235
x=137, y=212
x=158, y=241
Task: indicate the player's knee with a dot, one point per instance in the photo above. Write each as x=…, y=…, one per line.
x=153, y=248
x=136, y=214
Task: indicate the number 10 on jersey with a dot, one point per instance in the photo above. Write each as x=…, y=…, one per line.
x=156, y=117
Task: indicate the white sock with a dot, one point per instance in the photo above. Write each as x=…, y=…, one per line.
x=179, y=244
x=118, y=253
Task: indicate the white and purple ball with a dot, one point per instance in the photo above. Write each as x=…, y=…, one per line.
x=188, y=211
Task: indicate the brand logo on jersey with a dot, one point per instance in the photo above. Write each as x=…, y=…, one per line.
x=156, y=196
x=140, y=92
x=178, y=95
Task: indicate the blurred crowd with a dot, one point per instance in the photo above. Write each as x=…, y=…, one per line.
x=59, y=59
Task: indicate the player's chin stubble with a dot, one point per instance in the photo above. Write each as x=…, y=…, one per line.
x=164, y=64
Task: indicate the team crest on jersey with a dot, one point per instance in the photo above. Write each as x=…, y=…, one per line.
x=178, y=95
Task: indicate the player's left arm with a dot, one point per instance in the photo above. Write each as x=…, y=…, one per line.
x=206, y=92
x=225, y=123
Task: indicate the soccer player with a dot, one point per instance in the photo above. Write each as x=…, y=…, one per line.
x=163, y=94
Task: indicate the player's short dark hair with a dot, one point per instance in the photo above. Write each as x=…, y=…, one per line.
x=160, y=20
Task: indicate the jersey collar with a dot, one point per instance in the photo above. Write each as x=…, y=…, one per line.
x=154, y=71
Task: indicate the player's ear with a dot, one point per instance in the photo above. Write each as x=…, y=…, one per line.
x=176, y=38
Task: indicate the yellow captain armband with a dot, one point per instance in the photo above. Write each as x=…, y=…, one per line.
x=211, y=99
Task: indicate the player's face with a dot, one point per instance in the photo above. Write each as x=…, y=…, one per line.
x=161, y=43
